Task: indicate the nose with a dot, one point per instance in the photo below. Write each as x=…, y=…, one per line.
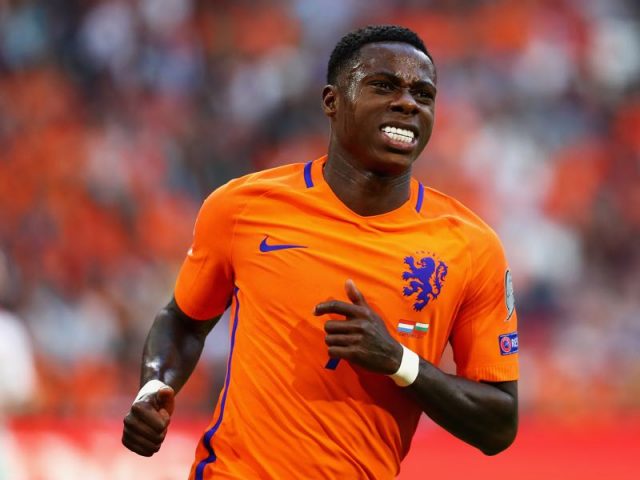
x=404, y=103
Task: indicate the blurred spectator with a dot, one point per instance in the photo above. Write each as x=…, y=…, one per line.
x=17, y=370
x=18, y=379
x=117, y=117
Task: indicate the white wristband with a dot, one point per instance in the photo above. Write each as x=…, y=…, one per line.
x=152, y=386
x=408, y=370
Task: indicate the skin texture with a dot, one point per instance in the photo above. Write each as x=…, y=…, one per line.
x=389, y=83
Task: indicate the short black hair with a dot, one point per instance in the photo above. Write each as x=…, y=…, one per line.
x=348, y=46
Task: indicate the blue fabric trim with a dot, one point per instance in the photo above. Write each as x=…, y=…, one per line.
x=420, y=197
x=206, y=440
x=332, y=363
x=307, y=174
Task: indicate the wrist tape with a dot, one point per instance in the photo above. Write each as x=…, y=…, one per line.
x=151, y=386
x=408, y=370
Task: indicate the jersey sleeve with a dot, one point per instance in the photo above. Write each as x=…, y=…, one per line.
x=484, y=335
x=205, y=282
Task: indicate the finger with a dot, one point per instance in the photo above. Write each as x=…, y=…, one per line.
x=139, y=444
x=343, y=326
x=338, y=340
x=165, y=398
x=354, y=294
x=145, y=412
x=134, y=425
x=153, y=439
x=341, y=352
x=341, y=308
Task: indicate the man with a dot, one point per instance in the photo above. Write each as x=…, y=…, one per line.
x=346, y=279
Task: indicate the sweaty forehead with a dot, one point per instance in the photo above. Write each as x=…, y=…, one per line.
x=401, y=59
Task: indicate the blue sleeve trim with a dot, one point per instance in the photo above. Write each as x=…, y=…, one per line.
x=307, y=174
x=206, y=440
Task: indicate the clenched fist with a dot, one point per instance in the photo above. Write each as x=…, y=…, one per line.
x=147, y=421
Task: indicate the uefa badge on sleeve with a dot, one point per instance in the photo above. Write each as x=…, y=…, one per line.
x=508, y=343
x=509, y=299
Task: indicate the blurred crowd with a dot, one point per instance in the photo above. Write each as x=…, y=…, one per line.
x=117, y=117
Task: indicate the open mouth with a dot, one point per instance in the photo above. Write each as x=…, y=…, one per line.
x=399, y=135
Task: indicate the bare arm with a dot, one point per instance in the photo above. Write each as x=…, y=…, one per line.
x=484, y=415
x=173, y=346
x=171, y=352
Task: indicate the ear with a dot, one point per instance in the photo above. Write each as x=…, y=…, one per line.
x=329, y=100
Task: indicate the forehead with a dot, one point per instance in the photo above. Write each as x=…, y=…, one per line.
x=397, y=58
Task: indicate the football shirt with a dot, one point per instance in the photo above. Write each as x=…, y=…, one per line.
x=278, y=242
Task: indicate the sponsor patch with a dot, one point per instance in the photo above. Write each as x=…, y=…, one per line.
x=508, y=343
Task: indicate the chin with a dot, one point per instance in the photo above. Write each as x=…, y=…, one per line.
x=391, y=163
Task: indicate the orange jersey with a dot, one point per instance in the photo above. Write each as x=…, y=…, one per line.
x=278, y=242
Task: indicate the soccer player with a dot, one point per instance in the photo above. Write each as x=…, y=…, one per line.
x=346, y=278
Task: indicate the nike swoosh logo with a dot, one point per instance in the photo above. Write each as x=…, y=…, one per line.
x=265, y=247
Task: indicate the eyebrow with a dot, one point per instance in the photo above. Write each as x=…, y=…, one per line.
x=397, y=80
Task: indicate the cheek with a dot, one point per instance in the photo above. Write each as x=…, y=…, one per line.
x=429, y=118
x=354, y=120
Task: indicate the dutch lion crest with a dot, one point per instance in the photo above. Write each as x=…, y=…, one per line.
x=426, y=278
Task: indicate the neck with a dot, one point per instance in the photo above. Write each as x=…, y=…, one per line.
x=363, y=191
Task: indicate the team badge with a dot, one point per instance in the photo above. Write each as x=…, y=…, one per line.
x=509, y=298
x=414, y=329
x=425, y=277
x=508, y=343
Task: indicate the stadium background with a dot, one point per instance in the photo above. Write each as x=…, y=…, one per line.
x=117, y=117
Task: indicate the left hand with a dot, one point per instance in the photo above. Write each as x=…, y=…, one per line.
x=362, y=337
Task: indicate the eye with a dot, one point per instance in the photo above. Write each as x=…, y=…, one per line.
x=382, y=85
x=424, y=96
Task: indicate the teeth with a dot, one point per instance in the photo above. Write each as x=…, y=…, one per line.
x=398, y=134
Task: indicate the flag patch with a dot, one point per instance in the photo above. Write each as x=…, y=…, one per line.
x=508, y=343
x=414, y=329
x=406, y=327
